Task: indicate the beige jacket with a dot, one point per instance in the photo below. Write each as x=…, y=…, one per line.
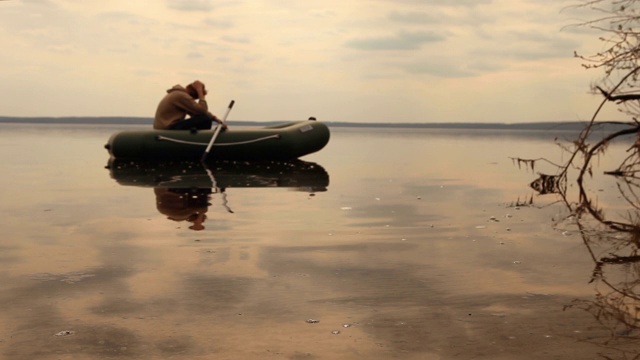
x=175, y=106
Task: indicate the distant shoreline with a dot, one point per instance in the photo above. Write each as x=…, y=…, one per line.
x=540, y=126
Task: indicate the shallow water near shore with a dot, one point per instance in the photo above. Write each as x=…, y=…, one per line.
x=388, y=243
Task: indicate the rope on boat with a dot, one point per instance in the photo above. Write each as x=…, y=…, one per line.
x=160, y=137
x=275, y=136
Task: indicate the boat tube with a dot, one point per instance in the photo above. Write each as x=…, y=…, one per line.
x=286, y=141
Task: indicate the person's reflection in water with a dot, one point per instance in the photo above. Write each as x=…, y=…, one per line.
x=184, y=205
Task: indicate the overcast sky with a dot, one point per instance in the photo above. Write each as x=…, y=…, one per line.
x=339, y=60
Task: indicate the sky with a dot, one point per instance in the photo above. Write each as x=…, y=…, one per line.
x=380, y=61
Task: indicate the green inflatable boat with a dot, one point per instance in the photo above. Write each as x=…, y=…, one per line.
x=287, y=141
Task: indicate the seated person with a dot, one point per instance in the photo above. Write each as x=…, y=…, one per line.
x=180, y=102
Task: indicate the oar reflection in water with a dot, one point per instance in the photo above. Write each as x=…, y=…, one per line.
x=225, y=203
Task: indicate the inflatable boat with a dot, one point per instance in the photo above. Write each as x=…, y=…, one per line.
x=286, y=141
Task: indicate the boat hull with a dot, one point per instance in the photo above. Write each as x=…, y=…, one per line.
x=281, y=142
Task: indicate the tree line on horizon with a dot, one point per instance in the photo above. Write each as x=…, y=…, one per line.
x=129, y=120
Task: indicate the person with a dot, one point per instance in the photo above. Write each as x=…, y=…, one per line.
x=181, y=101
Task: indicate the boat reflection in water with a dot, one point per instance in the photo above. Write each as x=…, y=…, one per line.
x=183, y=189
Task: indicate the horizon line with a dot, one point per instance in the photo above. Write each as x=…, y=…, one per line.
x=139, y=120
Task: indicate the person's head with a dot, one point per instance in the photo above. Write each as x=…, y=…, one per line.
x=191, y=89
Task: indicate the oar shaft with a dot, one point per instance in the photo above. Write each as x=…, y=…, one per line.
x=217, y=131
x=226, y=114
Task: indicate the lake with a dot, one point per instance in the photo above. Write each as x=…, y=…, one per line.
x=386, y=244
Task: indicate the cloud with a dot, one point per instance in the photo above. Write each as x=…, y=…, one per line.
x=448, y=3
x=448, y=68
x=401, y=41
x=526, y=45
x=195, y=55
x=190, y=5
x=236, y=39
x=458, y=3
x=217, y=23
x=414, y=17
x=38, y=2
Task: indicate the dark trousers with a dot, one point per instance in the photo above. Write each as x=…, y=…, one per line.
x=200, y=122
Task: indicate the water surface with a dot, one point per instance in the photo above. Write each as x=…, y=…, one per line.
x=418, y=244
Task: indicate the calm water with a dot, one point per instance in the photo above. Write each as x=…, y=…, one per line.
x=402, y=244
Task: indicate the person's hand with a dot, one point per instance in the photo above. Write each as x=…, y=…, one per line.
x=216, y=119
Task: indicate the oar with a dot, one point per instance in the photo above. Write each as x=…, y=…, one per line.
x=217, y=131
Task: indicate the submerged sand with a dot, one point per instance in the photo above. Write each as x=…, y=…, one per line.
x=424, y=293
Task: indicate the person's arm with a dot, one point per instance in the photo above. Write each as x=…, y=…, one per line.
x=192, y=107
